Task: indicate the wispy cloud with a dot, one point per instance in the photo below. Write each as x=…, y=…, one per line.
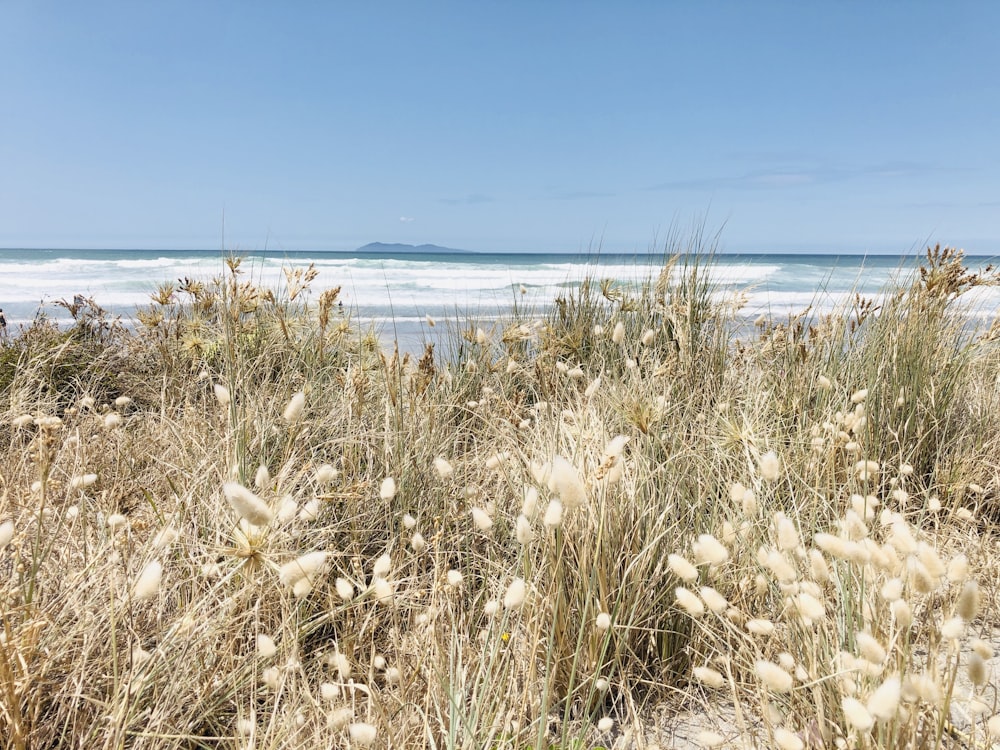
x=573, y=195
x=406, y=219
x=782, y=177
x=469, y=200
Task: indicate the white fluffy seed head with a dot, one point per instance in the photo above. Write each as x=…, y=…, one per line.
x=481, y=519
x=952, y=629
x=869, y=648
x=221, y=394
x=84, y=480
x=618, y=334
x=262, y=478
x=409, y=522
x=529, y=507
x=112, y=420
x=514, y=596
x=383, y=591
x=776, y=679
x=883, y=703
x=709, y=550
x=786, y=533
x=293, y=412
x=967, y=606
x=266, y=647
x=689, y=601
x=682, y=568
x=602, y=622
x=362, y=733
x=553, y=514
x=523, y=531
x=345, y=589
x=564, y=482
x=454, y=578
x=6, y=533
x=382, y=566
x=326, y=474
x=708, y=676
x=247, y=504
x=708, y=738
x=759, y=626
x=418, y=543
x=148, y=583
x=770, y=466
x=305, y=567
x=387, y=490
x=443, y=468
x=785, y=739
x=856, y=714
x=713, y=599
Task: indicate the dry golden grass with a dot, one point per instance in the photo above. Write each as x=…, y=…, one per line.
x=242, y=525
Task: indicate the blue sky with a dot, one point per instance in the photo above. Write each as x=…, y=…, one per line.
x=852, y=127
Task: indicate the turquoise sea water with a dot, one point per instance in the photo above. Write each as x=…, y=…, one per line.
x=399, y=290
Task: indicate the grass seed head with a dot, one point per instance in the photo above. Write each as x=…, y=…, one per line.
x=247, y=504
x=326, y=474
x=902, y=613
x=785, y=739
x=708, y=549
x=345, y=589
x=602, y=622
x=454, y=578
x=713, y=599
x=776, y=679
x=383, y=591
x=513, y=598
x=976, y=669
x=443, y=468
x=869, y=648
x=221, y=394
x=362, y=733
x=523, y=531
x=770, y=466
x=682, y=568
x=708, y=676
x=387, y=490
x=553, y=514
x=564, y=481
x=418, y=543
x=968, y=601
x=293, y=412
x=606, y=724
x=382, y=566
x=759, y=626
x=6, y=533
x=481, y=519
x=856, y=714
x=618, y=334
x=148, y=583
x=884, y=702
x=266, y=647
x=262, y=478
x=306, y=566
x=82, y=481
x=689, y=601
x=708, y=738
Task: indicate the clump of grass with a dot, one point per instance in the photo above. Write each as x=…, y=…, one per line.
x=263, y=532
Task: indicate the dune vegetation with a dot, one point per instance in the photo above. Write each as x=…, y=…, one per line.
x=630, y=519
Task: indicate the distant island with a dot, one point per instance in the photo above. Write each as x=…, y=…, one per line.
x=399, y=247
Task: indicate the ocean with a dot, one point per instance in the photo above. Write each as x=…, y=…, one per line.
x=395, y=291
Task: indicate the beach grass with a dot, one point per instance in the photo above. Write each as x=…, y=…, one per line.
x=632, y=519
